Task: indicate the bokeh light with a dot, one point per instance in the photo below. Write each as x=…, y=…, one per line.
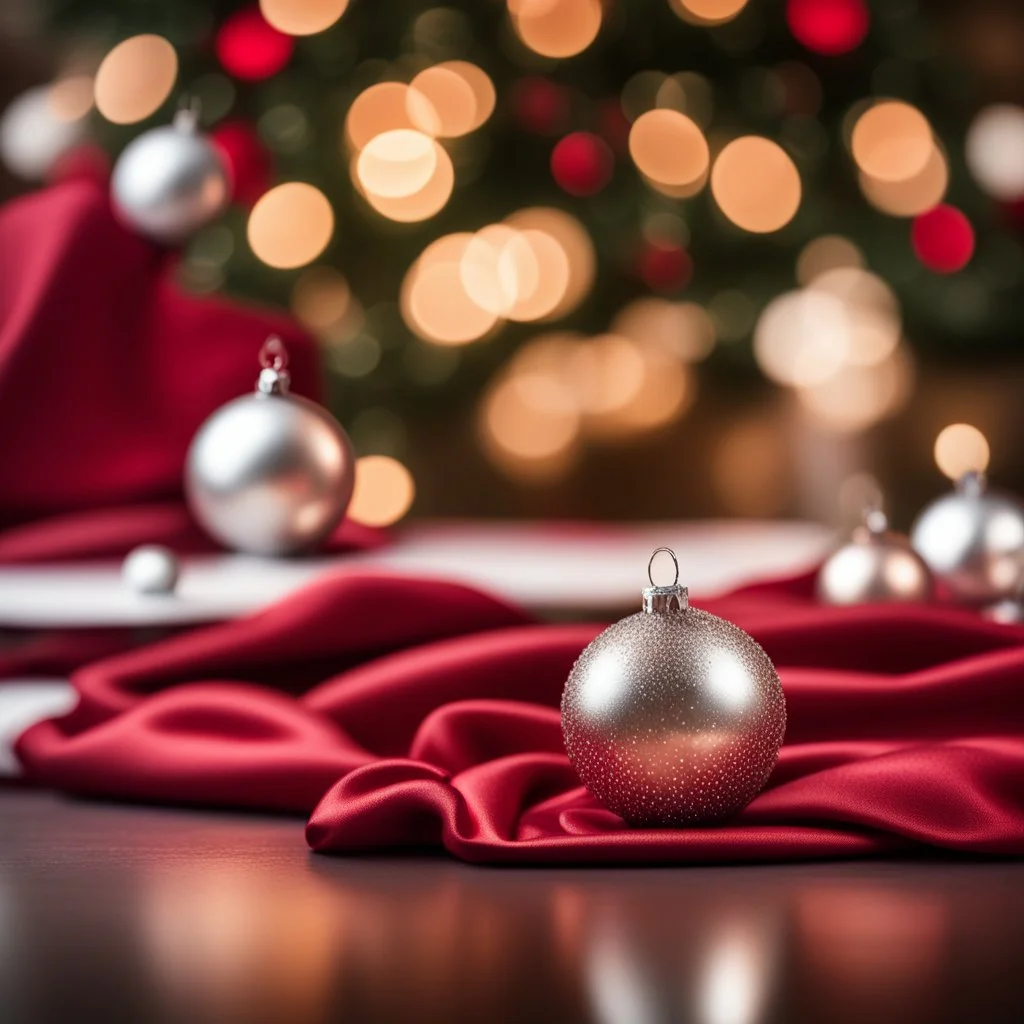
x=707, y=12
x=384, y=491
x=943, y=239
x=556, y=28
x=381, y=108
x=481, y=86
x=497, y=266
x=423, y=203
x=994, y=149
x=434, y=301
x=873, y=322
x=135, y=78
x=756, y=184
x=290, y=225
x=669, y=149
x=802, y=337
x=250, y=48
x=828, y=252
x=913, y=195
x=683, y=329
x=397, y=163
x=442, y=102
x=529, y=425
x=35, y=138
x=828, y=27
x=71, y=98
x=961, y=448
x=582, y=163
x=892, y=141
x=540, y=297
x=857, y=397
x=302, y=17
x=321, y=298
x=574, y=241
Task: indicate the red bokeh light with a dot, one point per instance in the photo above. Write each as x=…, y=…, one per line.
x=247, y=160
x=829, y=27
x=540, y=105
x=249, y=47
x=582, y=164
x=943, y=239
x=664, y=268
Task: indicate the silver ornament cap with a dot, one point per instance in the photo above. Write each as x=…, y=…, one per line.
x=673, y=716
x=973, y=540
x=876, y=565
x=270, y=473
x=151, y=569
x=170, y=181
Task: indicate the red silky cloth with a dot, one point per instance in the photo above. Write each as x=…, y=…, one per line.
x=107, y=369
x=409, y=713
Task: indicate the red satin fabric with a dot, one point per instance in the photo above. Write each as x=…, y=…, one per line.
x=409, y=713
x=106, y=370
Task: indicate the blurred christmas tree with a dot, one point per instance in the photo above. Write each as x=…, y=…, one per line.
x=658, y=182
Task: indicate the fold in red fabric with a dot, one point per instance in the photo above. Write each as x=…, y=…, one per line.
x=107, y=368
x=409, y=713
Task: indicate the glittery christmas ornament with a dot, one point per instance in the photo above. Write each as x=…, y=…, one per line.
x=673, y=716
x=874, y=566
x=973, y=540
x=270, y=473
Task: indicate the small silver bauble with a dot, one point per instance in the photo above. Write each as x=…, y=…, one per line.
x=673, y=716
x=973, y=540
x=33, y=137
x=151, y=569
x=270, y=473
x=170, y=181
x=875, y=565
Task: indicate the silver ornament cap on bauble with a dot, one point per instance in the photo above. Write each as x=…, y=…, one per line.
x=875, y=566
x=673, y=716
x=973, y=540
x=270, y=473
x=170, y=181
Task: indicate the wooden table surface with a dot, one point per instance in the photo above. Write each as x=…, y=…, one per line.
x=128, y=914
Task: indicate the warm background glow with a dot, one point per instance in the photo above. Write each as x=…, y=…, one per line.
x=669, y=148
x=135, y=78
x=384, y=491
x=302, y=17
x=556, y=28
x=961, y=448
x=756, y=184
x=290, y=225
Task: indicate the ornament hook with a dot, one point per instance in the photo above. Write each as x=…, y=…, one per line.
x=650, y=565
x=186, y=117
x=274, y=377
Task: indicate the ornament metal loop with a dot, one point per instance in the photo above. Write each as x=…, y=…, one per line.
x=972, y=483
x=273, y=354
x=186, y=117
x=675, y=562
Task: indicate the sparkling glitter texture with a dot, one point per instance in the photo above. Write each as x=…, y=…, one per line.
x=673, y=716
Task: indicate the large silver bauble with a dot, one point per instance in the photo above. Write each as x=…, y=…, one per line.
x=169, y=181
x=673, y=716
x=270, y=473
x=874, y=566
x=973, y=539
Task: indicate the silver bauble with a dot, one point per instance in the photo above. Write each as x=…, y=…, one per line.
x=270, y=473
x=169, y=181
x=973, y=540
x=33, y=136
x=673, y=716
x=874, y=566
x=151, y=569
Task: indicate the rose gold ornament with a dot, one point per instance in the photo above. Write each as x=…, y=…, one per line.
x=673, y=716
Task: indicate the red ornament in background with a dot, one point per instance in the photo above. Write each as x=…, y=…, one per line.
x=247, y=160
x=829, y=27
x=540, y=105
x=582, y=164
x=86, y=161
x=664, y=266
x=943, y=239
x=249, y=47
